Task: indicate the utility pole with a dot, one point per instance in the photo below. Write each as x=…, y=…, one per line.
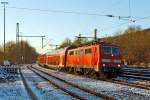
x=17, y=43
x=4, y=3
x=79, y=39
x=42, y=41
x=17, y=34
x=95, y=34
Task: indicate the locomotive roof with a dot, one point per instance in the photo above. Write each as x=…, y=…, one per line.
x=93, y=45
x=63, y=50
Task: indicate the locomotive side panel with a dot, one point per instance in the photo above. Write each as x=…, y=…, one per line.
x=84, y=57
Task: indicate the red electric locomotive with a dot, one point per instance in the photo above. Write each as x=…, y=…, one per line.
x=100, y=59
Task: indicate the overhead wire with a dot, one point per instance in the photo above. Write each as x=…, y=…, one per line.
x=119, y=25
x=60, y=11
x=127, y=18
x=143, y=18
x=108, y=28
x=66, y=12
x=80, y=13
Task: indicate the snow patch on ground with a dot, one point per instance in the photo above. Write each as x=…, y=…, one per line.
x=139, y=81
x=13, y=90
x=43, y=89
x=119, y=92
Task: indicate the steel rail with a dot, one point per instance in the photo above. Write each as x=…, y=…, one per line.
x=58, y=86
x=27, y=87
x=77, y=86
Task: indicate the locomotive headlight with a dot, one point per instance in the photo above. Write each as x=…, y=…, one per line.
x=119, y=65
x=103, y=65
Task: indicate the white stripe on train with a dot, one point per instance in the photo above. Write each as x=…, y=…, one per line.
x=111, y=60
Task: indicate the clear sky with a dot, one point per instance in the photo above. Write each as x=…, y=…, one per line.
x=57, y=26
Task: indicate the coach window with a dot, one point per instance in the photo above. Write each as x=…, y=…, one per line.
x=79, y=52
x=87, y=51
x=71, y=53
x=82, y=52
x=76, y=52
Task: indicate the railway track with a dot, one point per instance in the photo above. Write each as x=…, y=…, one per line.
x=30, y=92
x=135, y=72
x=124, y=82
x=70, y=88
x=127, y=83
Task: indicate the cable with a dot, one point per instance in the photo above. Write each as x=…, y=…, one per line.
x=147, y=17
x=71, y=12
x=61, y=11
x=67, y=12
x=130, y=9
x=107, y=28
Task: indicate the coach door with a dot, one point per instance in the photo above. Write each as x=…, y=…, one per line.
x=94, y=56
x=61, y=59
x=82, y=57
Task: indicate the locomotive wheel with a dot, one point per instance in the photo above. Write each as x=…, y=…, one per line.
x=103, y=75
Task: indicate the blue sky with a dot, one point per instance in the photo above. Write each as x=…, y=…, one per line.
x=58, y=26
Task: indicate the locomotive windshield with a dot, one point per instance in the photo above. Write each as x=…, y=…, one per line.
x=110, y=50
x=106, y=50
x=115, y=50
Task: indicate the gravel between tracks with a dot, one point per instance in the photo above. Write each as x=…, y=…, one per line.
x=133, y=80
x=42, y=88
x=119, y=92
x=82, y=94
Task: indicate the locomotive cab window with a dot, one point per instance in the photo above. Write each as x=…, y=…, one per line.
x=110, y=50
x=87, y=51
x=106, y=50
x=115, y=51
